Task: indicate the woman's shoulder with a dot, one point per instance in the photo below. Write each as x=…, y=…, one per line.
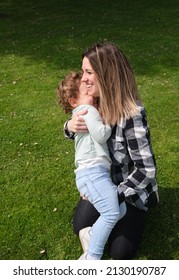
x=140, y=107
x=138, y=119
x=140, y=112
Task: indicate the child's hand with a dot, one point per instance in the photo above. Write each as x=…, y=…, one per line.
x=83, y=197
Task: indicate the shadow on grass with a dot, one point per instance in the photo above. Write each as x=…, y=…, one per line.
x=161, y=236
x=56, y=32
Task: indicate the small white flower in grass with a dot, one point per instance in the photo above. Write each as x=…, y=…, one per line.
x=42, y=252
x=55, y=209
x=13, y=114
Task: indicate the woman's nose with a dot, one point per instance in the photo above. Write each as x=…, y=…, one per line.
x=84, y=78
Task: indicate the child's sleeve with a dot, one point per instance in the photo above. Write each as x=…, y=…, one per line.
x=97, y=129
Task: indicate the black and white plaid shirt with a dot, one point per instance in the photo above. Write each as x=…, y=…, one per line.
x=133, y=163
x=133, y=167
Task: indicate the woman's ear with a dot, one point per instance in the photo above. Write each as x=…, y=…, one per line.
x=72, y=102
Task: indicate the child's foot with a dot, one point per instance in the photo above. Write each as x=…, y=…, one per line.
x=86, y=257
x=85, y=236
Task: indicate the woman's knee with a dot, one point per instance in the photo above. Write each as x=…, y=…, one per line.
x=122, y=249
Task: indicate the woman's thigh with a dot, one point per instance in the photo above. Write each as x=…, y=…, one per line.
x=125, y=237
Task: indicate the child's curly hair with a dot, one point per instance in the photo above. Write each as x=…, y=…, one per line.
x=68, y=88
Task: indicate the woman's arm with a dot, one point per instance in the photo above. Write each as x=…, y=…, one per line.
x=76, y=124
x=88, y=120
x=142, y=180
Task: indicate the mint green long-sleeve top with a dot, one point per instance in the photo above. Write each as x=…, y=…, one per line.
x=92, y=145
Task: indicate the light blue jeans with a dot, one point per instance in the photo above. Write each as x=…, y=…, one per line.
x=96, y=185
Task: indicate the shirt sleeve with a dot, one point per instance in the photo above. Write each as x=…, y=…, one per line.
x=139, y=183
x=67, y=133
x=97, y=129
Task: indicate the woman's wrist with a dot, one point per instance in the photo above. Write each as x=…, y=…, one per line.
x=67, y=132
x=68, y=126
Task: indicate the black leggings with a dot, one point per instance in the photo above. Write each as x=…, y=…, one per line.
x=125, y=237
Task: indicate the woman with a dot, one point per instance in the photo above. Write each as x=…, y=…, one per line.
x=92, y=163
x=110, y=78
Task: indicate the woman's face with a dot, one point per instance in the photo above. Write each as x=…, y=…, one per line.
x=89, y=78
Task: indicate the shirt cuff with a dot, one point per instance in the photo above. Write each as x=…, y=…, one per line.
x=67, y=133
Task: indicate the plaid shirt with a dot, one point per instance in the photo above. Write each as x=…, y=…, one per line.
x=133, y=167
x=133, y=164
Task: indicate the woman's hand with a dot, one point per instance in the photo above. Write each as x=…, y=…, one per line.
x=77, y=123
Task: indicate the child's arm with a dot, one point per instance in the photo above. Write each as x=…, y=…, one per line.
x=97, y=129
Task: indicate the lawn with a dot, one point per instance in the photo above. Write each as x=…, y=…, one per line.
x=40, y=42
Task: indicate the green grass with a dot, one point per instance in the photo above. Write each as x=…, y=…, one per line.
x=40, y=42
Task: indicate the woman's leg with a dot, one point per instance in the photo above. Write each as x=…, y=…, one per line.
x=125, y=237
x=85, y=215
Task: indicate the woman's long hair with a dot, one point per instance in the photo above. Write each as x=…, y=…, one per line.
x=117, y=86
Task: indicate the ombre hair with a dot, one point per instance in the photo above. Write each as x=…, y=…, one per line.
x=116, y=81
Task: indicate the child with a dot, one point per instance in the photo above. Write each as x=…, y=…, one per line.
x=92, y=163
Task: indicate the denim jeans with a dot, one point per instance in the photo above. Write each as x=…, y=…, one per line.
x=96, y=185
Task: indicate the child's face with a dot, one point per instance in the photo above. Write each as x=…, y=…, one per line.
x=83, y=97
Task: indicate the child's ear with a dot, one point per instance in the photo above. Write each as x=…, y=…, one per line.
x=72, y=102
